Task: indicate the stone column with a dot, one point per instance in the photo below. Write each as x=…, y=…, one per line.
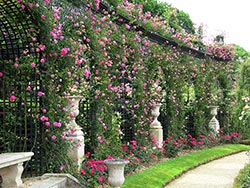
x=214, y=123
x=156, y=128
x=75, y=134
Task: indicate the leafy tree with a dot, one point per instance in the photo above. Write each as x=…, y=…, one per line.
x=178, y=18
x=185, y=22
x=156, y=8
x=240, y=53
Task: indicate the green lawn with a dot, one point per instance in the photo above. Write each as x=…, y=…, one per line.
x=160, y=174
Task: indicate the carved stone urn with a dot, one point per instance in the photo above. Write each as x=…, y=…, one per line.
x=116, y=171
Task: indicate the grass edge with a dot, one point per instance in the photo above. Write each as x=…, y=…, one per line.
x=237, y=148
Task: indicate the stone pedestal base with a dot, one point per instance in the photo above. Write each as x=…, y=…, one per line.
x=76, y=150
x=157, y=134
x=156, y=128
x=214, y=125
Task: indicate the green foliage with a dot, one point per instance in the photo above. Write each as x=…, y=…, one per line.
x=153, y=6
x=185, y=22
x=243, y=178
x=244, y=80
x=178, y=19
x=114, y=3
x=242, y=113
x=240, y=53
x=109, y=141
x=171, y=148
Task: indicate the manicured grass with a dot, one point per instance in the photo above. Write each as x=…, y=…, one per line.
x=160, y=174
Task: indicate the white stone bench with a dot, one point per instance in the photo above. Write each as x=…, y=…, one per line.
x=11, y=168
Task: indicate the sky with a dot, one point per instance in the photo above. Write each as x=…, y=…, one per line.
x=230, y=17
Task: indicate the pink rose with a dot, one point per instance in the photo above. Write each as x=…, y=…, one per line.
x=41, y=47
x=47, y=123
x=12, y=98
x=64, y=51
x=61, y=168
x=100, y=179
x=44, y=118
x=43, y=17
x=87, y=73
x=28, y=88
x=83, y=172
x=40, y=93
x=53, y=137
x=33, y=65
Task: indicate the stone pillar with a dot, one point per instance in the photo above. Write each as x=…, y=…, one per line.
x=214, y=123
x=75, y=134
x=156, y=128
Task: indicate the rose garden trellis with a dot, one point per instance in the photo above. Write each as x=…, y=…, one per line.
x=15, y=39
x=23, y=131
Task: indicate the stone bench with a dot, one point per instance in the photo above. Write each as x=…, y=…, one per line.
x=11, y=168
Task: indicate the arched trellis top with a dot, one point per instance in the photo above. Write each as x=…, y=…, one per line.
x=15, y=30
x=155, y=37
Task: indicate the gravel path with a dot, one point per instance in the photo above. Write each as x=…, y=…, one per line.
x=219, y=173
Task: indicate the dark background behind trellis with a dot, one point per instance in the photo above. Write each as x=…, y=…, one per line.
x=88, y=116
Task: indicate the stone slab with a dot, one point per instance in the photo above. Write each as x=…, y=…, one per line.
x=8, y=159
x=52, y=182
